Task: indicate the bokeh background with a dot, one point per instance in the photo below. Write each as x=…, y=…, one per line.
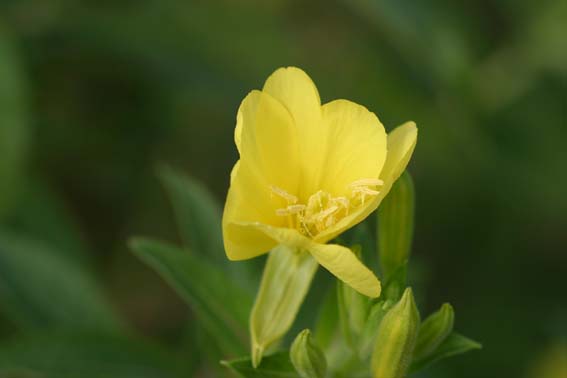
x=95, y=94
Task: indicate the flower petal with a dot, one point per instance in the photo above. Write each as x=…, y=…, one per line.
x=401, y=143
x=341, y=262
x=356, y=146
x=268, y=140
x=338, y=260
x=288, y=236
x=296, y=91
x=241, y=242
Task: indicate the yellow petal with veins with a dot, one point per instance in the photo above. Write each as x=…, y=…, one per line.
x=269, y=156
x=356, y=146
x=293, y=88
x=401, y=143
x=344, y=264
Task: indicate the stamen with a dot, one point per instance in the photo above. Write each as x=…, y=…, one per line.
x=367, y=182
x=290, y=198
x=322, y=210
x=325, y=213
x=364, y=190
x=343, y=201
x=291, y=209
x=330, y=221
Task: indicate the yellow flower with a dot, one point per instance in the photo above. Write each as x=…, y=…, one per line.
x=307, y=172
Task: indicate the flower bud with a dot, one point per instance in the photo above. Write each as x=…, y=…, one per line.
x=368, y=336
x=434, y=331
x=285, y=282
x=306, y=357
x=396, y=338
x=395, y=225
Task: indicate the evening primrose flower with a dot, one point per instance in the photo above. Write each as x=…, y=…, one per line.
x=307, y=172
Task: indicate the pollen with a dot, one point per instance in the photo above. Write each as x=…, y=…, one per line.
x=323, y=210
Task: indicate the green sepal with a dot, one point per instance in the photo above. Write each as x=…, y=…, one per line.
x=395, y=225
x=396, y=339
x=285, y=282
x=433, y=331
x=368, y=336
x=307, y=357
x=453, y=345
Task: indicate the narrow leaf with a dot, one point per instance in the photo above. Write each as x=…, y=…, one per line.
x=198, y=218
x=220, y=305
x=453, y=345
x=197, y=213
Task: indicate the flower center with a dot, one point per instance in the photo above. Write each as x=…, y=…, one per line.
x=322, y=210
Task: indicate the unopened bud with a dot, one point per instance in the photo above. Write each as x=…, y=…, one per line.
x=306, y=357
x=434, y=331
x=396, y=339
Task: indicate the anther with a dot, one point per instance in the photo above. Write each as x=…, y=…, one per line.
x=290, y=198
x=367, y=182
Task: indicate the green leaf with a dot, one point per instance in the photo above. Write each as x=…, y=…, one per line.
x=87, y=355
x=285, y=282
x=198, y=217
x=220, y=305
x=40, y=288
x=395, y=225
x=13, y=122
x=453, y=345
x=277, y=365
x=307, y=357
x=197, y=213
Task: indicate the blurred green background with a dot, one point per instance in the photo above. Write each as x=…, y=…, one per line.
x=95, y=94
